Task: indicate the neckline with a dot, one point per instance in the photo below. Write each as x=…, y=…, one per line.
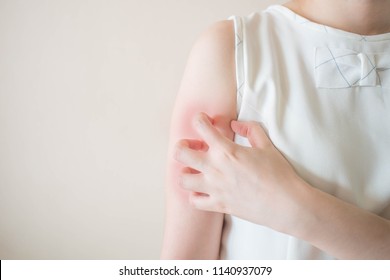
x=328, y=29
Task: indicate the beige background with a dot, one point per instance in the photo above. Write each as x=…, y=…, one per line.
x=86, y=92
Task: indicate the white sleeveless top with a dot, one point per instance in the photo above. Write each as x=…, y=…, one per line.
x=323, y=94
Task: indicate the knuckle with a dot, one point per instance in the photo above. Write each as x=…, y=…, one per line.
x=229, y=153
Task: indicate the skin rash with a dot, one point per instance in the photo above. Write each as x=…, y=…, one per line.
x=184, y=129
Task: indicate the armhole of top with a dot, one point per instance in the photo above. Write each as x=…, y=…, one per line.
x=239, y=59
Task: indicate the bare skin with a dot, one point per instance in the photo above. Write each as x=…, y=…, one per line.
x=259, y=185
x=364, y=17
x=208, y=85
x=194, y=221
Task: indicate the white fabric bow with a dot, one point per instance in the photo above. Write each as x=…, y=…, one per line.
x=342, y=68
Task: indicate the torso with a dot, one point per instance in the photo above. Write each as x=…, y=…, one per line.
x=324, y=96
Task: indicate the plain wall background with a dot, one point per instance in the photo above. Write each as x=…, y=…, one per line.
x=86, y=92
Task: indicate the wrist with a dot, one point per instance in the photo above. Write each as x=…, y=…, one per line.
x=302, y=218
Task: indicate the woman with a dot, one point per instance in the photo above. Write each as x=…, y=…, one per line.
x=307, y=176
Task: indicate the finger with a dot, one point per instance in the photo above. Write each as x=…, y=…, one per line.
x=201, y=201
x=208, y=203
x=192, y=181
x=189, y=157
x=208, y=132
x=253, y=131
x=197, y=145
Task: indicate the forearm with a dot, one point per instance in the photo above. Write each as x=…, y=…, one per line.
x=194, y=235
x=189, y=233
x=259, y=185
x=340, y=228
x=208, y=85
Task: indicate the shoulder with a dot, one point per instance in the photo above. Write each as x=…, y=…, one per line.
x=208, y=83
x=209, y=77
x=220, y=32
x=215, y=44
x=208, y=86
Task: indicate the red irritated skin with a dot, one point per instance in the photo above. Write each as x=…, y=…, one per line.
x=185, y=130
x=209, y=86
x=299, y=209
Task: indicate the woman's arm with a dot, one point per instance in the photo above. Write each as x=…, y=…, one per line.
x=342, y=229
x=208, y=85
x=259, y=185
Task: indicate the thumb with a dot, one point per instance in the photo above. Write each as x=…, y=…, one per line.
x=253, y=131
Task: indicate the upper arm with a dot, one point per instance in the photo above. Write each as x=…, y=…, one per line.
x=208, y=85
x=208, y=82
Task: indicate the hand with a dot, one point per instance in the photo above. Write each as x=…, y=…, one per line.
x=254, y=183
